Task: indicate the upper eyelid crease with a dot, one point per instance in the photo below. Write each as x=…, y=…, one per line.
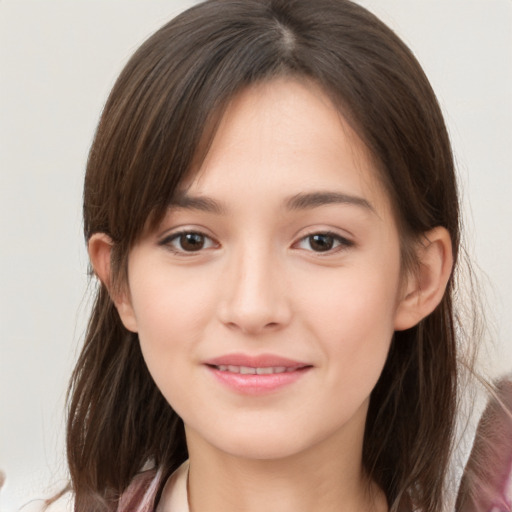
x=344, y=241
x=176, y=234
x=169, y=239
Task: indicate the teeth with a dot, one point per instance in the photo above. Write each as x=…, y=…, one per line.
x=264, y=371
x=248, y=370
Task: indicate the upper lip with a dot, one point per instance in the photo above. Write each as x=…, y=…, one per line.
x=259, y=361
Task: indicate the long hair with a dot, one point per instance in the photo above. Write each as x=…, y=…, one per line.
x=159, y=119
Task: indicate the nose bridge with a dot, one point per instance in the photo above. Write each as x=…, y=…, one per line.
x=254, y=297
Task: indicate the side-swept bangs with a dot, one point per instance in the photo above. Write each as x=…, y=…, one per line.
x=163, y=109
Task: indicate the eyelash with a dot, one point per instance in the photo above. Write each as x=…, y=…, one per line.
x=168, y=242
x=340, y=243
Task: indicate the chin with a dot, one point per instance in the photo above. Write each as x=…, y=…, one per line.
x=261, y=444
x=265, y=449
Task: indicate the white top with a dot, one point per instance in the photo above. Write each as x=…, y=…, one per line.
x=174, y=496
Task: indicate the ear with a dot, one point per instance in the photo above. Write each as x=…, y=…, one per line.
x=425, y=286
x=100, y=251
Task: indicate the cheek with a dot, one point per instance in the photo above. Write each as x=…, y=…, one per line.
x=352, y=313
x=169, y=303
x=353, y=300
x=171, y=312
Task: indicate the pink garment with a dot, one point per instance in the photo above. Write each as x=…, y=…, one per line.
x=141, y=494
x=486, y=485
x=487, y=481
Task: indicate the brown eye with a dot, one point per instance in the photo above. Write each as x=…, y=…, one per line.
x=321, y=242
x=191, y=241
x=187, y=242
x=324, y=242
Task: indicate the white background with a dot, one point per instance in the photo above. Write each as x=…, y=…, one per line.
x=58, y=60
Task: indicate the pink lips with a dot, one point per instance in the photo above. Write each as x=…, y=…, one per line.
x=255, y=375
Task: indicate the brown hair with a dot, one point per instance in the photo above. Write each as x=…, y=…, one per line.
x=151, y=130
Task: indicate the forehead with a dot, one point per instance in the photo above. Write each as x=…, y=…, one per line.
x=283, y=137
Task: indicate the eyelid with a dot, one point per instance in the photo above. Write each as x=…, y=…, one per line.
x=166, y=241
x=343, y=242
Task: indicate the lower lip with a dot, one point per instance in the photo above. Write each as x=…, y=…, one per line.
x=250, y=384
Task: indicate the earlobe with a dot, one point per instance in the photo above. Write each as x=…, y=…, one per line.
x=426, y=286
x=100, y=250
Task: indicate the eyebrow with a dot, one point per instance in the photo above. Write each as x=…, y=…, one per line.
x=204, y=204
x=315, y=199
x=301, y=201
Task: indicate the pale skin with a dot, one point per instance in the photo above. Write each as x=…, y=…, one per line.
x=292, y=250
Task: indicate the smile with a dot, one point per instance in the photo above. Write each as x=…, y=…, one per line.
x=256, y=375
x=248, y=370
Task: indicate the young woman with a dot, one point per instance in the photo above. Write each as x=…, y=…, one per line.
x=271, y=209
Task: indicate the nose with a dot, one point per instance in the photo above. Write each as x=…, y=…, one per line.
x=254, y=298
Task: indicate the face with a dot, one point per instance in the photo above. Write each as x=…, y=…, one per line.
x=267, y=298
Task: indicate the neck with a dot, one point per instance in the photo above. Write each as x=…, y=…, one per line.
x=311, y=480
